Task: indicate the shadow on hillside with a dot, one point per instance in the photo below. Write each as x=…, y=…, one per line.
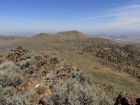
x=122, y=101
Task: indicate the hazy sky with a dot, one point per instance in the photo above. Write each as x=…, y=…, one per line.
x=61, y=15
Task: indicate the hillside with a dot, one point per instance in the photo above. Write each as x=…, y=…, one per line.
x=113, y=68
x=124, y=58
x=7, y=39
x=44, y=41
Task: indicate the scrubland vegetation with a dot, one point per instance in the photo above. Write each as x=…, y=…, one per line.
x=39, y=78
x=68, y=71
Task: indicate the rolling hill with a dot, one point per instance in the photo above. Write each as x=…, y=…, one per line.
x=115, y=67
x=7, y=39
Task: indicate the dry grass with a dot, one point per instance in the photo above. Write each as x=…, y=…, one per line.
x=103, y=74
x=69, y=48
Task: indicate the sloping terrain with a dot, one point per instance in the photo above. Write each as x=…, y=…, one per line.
x=58, y=41
x=114, y=67
x=84, y=51
x=37, y=78
x=6, y=39
x=124, y=58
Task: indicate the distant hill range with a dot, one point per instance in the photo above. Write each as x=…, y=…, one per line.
x=6, y=39
x=121, y=38
x=44, y=41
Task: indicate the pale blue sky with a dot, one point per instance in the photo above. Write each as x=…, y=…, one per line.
x=61, y=15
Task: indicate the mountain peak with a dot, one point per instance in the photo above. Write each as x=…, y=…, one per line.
x=42, y=34
x=70, y=32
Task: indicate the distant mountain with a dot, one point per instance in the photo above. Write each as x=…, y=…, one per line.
x=111, y=36
x=121, y=38
x=6, y=39
x=45, y=41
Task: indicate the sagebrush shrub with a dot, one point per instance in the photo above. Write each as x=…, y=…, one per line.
x=80, y=76
x=1, y=56
x=7, y=66
x=38, y=57
x=76, y=91
x=54, y=60
x=25, y=64
x=7, y=90
x=5, y=99
x=2, y=100
x=4, y=92
x=10, y=80
x=1, y=61
x=15, y=100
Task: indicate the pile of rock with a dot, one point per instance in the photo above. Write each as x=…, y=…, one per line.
x=17, y=54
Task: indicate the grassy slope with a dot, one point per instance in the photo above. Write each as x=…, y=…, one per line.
x=103, y=75
x=68, y=46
